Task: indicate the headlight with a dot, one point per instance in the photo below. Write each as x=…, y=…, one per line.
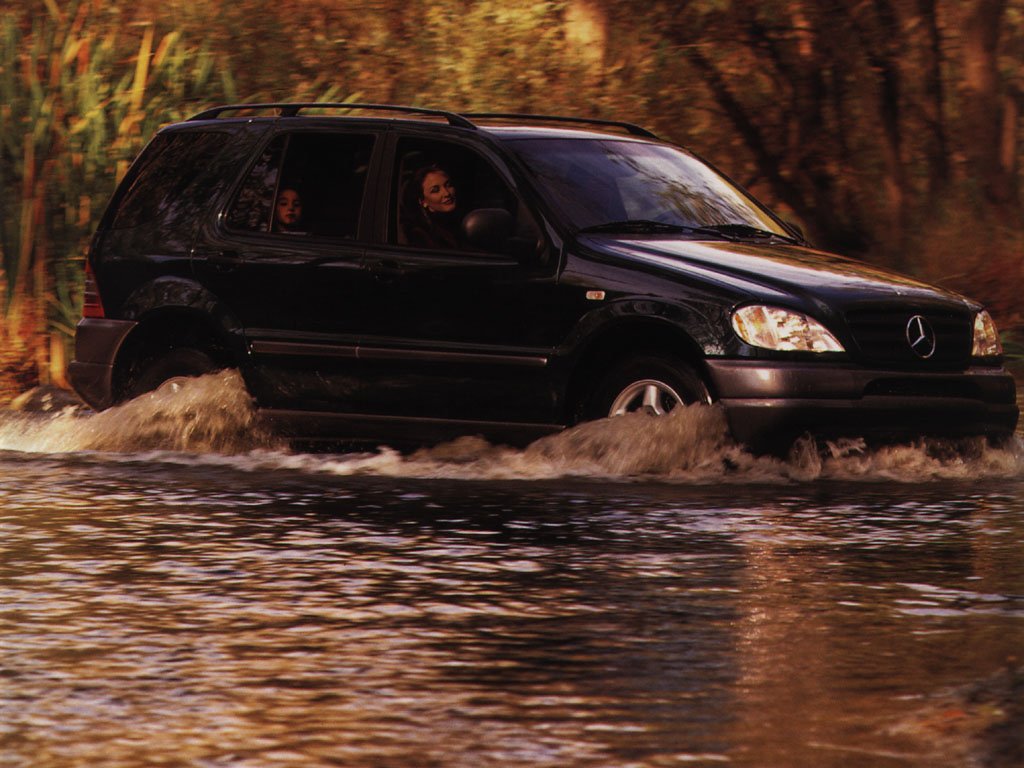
x=781, y=329
x=986, y=337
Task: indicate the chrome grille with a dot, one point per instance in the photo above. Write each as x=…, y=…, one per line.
x=881, y=338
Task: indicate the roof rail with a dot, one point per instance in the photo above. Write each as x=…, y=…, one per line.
x=460, y=120
x=631, y=128
x=291, y=109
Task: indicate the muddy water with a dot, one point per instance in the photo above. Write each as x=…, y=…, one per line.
x=177, y=590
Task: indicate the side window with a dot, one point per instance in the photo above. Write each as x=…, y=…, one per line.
x=168, y=178
x=448, y=197
x=254, y=203
x=307, y=184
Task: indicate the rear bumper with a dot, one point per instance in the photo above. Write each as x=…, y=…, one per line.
x=771, y=403
x=97, y=342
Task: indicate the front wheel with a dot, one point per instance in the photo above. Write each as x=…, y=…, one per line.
x=653, y=384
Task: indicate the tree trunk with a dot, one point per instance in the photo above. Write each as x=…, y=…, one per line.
x=983, y=104
x=1008, y=146
x=936, y=144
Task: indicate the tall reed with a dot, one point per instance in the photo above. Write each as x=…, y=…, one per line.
x=80, y=91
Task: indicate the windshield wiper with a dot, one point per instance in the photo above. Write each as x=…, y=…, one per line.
x=648, y=227
x=746, y=232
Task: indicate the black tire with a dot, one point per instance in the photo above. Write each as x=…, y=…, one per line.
x=651, y=382
x=175, y=363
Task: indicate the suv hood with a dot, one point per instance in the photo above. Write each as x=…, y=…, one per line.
x=773, y=271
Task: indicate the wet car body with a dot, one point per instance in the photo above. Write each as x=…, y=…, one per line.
x=878, y=389
x=357, y=335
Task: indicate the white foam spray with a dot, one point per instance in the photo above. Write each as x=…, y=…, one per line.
x=211, y=420
x=208, y=414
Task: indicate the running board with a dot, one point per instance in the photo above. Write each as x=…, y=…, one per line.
x=317, y=426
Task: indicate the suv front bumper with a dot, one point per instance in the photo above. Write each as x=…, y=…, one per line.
x=768, y=404
x=97, y=342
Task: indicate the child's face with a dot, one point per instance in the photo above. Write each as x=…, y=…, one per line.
x=289, y=207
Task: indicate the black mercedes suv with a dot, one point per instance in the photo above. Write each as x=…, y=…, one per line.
x=409, y=275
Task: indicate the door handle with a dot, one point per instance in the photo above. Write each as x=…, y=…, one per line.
x=387, y=271
x=223, y=261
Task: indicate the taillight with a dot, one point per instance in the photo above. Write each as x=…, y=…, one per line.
x=91, y=304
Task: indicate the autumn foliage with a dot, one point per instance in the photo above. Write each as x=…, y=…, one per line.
x=890, y=130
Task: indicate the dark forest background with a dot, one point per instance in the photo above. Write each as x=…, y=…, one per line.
x=888, y=129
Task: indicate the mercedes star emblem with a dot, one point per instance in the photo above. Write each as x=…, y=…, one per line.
x=921, y=337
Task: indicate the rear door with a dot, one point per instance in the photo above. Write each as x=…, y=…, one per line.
x=286, y=259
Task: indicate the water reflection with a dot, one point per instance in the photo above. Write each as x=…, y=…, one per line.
x=212, y=616
x=260, y=608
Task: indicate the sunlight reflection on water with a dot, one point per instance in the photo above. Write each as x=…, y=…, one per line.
x=205, y=614
x=175, y=589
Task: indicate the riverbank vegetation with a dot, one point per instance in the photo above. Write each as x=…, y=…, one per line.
x=888, y=130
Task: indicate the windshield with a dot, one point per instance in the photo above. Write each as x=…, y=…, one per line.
x=601, y=182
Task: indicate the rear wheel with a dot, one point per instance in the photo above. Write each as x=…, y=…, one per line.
x=653, y=384
x=175, y=364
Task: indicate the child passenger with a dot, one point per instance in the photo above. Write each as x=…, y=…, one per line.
x=288, y=211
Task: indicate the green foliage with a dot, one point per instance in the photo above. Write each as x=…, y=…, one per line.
x=81, y=91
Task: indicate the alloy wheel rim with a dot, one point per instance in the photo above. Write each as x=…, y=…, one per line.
x=645, y=396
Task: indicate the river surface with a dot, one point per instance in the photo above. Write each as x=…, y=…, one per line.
x=177, y=590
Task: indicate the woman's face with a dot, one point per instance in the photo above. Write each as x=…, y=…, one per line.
x=289, y=207
x=438, y=192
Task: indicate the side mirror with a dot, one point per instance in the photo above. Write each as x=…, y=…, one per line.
x=488, y=229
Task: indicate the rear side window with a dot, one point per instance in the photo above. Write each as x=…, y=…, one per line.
x=254, y=202
x=309, y=184
x=169, y=178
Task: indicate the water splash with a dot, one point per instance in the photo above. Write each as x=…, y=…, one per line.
x=209, y=414
x=211, y=420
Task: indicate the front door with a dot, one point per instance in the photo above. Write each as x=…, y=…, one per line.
x=464, y=324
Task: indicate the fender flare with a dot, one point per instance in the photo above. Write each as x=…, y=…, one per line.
x=178, y=294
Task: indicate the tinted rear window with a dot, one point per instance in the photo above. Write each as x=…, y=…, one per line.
x=327, y=172
x=170, y=179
